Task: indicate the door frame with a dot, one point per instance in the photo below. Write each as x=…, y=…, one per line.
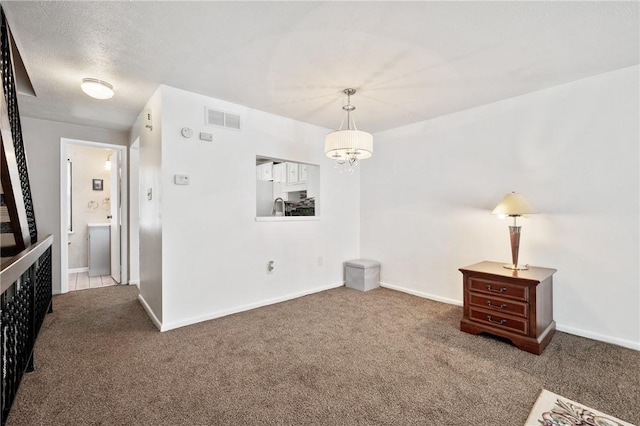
x=124, y=231
x=134, y=213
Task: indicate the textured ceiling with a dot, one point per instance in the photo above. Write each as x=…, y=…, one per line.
x=410, y=61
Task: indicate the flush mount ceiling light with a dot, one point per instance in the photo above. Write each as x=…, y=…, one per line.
x=349, y=145
x=97, y=89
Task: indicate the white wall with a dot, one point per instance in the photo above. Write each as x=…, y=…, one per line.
x=88, y=206
x=214, y=253
x=264, y=198
x=42, y=147
x=151, y=221
x=572, y=150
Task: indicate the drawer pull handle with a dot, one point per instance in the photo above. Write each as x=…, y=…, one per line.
x=502, y=289
x=502, y=321
x=502, y=305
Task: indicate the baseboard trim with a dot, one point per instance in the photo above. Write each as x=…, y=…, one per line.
x=150, y=312
x=134, y=282
x=421, y=294
x=565, y=329
x=225, y=312
x=78, y=270
x=600, y=337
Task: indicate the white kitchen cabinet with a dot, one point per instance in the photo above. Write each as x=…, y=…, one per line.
x=292, y=173
x=280, y=172
x=302, y=173
x=264, y=172
x=267, y=171
x=313, y=183
x=99, y=249
x=287, y=173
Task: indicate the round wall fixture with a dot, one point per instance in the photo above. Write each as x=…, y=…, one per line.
x=186, y=132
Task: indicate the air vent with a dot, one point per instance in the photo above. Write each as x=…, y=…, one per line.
x=222, y=119
x=215, y=118
x=232, y=121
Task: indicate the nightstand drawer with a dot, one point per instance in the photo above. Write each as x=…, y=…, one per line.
x=499, y=304
x=499, y=288
x=500, y=321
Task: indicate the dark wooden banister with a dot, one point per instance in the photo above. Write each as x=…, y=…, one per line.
x=14, y=267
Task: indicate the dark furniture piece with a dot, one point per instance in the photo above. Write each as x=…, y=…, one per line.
x=516, y=305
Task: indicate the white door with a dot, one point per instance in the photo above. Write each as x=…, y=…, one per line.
x=115, y=216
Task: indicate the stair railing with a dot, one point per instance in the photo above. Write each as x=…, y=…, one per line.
x=26, y=298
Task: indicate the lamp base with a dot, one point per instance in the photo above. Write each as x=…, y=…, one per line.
x=516, y=267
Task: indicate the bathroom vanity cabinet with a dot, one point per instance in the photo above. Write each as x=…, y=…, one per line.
x=99, y=249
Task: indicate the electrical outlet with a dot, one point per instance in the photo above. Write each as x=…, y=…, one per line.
x=270, y=267
x=320, y=261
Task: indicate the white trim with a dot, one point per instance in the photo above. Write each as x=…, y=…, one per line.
x=64, y=247
x=285, y=218
x=225, y=312
x=134, y=282
x=150, y=312
x=422, y=294
x=600, y=337
x=78, y=270
x=565, y=329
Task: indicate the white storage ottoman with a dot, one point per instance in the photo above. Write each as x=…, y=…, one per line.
x=362, y=274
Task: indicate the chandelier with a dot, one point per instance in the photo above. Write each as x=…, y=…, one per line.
x=348, y=146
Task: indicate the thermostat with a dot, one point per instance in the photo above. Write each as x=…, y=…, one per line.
x=206, y=137
x=181, y=179
x=186, y=132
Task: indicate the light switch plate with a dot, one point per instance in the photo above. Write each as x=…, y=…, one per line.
x=181, y=179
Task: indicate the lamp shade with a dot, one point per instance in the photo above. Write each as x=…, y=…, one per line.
x=513, y=205
x=342, y=144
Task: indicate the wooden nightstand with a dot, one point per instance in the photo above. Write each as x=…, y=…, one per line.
x=516, y=305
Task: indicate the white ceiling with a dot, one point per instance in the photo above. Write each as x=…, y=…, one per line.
x=410, y=61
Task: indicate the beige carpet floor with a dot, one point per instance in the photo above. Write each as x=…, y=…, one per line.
x=340, y=357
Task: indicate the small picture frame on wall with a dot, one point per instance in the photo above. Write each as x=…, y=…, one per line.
x=97, y=185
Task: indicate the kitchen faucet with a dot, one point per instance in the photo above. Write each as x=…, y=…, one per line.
x=274, y=211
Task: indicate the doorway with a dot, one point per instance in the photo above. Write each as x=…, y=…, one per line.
x=93, y=214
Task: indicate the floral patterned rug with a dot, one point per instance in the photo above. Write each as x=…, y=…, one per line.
x=555, y=410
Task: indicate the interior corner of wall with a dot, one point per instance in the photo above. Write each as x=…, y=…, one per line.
x=152, y=315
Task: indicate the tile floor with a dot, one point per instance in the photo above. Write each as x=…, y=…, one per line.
x=82, y=280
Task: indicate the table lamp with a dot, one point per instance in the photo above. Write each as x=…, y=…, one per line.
x=514, y=205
